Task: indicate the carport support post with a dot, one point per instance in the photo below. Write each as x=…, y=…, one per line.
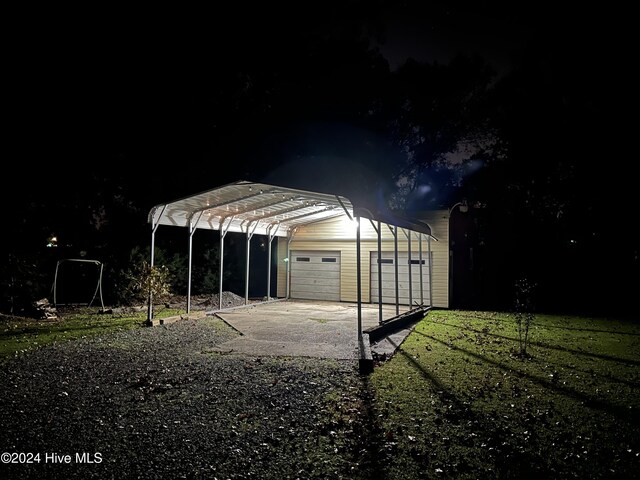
x=221, y=270
x=289, y=239
x=246, y=272
x=395, y=265
x=192, y=230
x=410, y=279
x=149, y=321
x=223, y=233
x=269, y=270
x=358, y=278
x=430, y=271
x=270, y=235
x=379, y=274
x=421, y=282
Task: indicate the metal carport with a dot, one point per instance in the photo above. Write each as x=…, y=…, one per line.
x=274, y=211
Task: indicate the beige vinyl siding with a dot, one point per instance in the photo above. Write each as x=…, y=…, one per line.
x=340, y=234
x=438, y=220
x=281, y=267
x=350, y=288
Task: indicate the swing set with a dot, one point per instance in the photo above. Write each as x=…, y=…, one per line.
x=78, y=274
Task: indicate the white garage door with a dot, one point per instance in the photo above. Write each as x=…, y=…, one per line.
x=388, y=278
x=315, y=275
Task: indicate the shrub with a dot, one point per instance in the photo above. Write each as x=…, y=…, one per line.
x=146, y=279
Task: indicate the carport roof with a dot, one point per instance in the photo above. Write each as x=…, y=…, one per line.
x=245, y=206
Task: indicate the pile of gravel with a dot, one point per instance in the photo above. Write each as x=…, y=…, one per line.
x=205, y=302
x=158, y=403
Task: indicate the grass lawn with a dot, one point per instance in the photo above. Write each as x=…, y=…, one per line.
x=456, y=401
x=19, y=334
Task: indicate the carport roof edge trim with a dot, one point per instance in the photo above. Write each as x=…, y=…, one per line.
x=269, y=209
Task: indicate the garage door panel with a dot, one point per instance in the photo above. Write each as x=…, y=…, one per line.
x=402, y=291
x=315, y=288
x=401, y=288
x=389, y=277
x=317, y=281
x=315, y=267
x=387, y=267
x=315, y=275
x=313, y=294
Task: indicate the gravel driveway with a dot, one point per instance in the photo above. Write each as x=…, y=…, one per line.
x=161, y=403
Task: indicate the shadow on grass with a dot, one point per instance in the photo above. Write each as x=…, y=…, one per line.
x=599, y=356
x=508, y=460
x=623, y=413
x=594, y=330
x=442, y=390
x=563, y=349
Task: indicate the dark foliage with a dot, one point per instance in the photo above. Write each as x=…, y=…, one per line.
x=144, y=109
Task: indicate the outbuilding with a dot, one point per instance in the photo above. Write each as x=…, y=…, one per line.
x=328, y=248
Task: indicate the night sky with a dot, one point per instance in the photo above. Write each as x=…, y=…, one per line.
x=146, y=91
x=154, y=104
x=133, y=82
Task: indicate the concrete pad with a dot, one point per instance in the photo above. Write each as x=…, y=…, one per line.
x=307, y=328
